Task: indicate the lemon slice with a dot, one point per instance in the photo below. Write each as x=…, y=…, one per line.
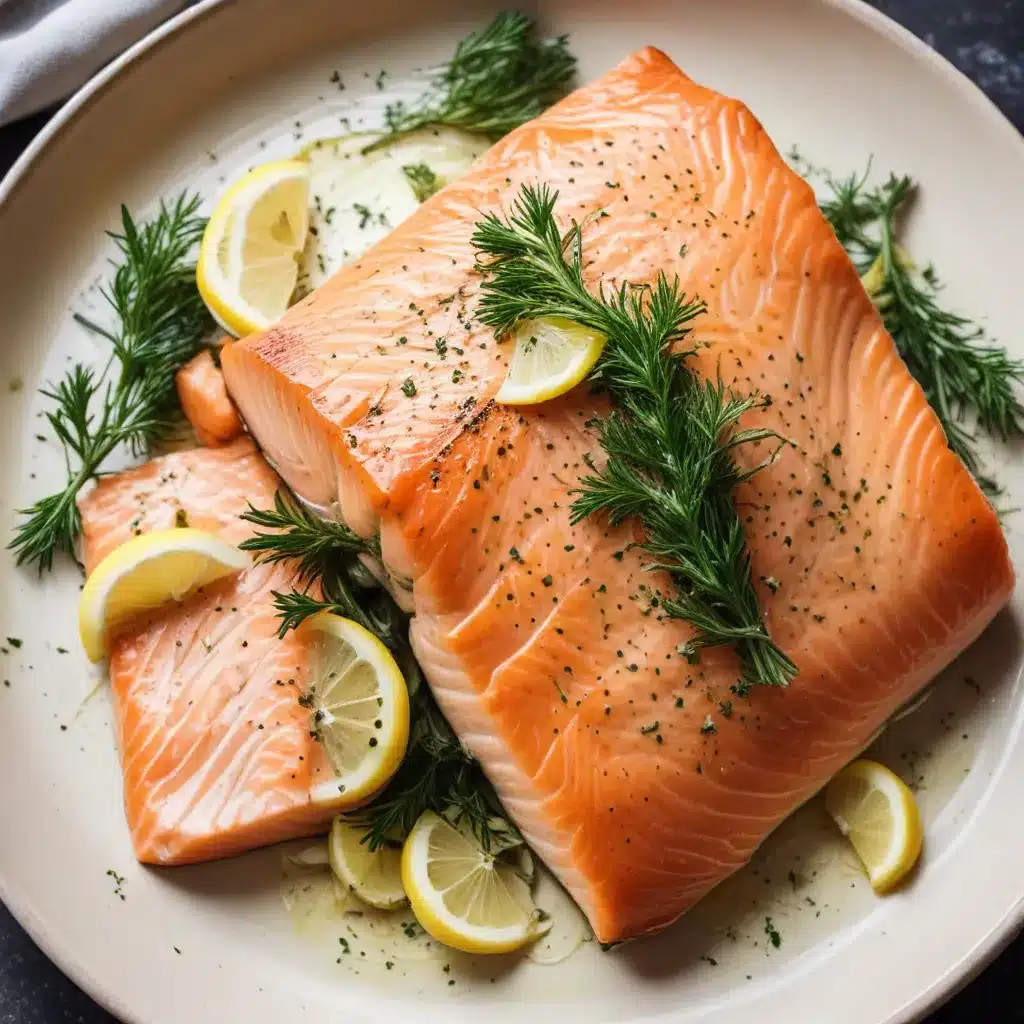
x=878, y=814
x=146, y=572
x=467, y=898
x=360, y=708
x=248, y=259
x=551, y=356
x=375, y=876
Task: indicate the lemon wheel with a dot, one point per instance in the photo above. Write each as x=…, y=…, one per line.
x=360, y=708
x=474, y=900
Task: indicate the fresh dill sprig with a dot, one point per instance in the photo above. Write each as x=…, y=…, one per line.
x=327, y=553
x=670, y=441
x=422, y=180
x=161, y=322
x=438, y=773
x=498, y=79
x=961, y=374
x=301, y=535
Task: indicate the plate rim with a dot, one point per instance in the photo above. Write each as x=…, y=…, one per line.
x=957, y=975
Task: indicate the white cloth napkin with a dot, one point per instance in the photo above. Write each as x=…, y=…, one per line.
x=48, y=48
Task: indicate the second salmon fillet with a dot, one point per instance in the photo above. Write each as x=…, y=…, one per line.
x=640, y=779
x=216, y=751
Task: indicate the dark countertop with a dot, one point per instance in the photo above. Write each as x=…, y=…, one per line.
x=985, y=39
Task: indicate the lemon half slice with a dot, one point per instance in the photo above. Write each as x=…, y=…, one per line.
x=360, y=708
x=551, y=357
x=146, y=572
x=878, y=814
x=375, y=876
x=248, y=260
x=467, y=898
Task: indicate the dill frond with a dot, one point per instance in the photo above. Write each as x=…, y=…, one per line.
x=498, y=78
x=422, y=180
x=161, y=322
x=314, y=542
x=963, y=376
x=438, y=774
x=327, y=557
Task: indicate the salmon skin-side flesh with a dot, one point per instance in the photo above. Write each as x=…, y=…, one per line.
x=640, y=779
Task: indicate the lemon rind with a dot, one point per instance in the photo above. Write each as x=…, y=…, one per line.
x=125, y=559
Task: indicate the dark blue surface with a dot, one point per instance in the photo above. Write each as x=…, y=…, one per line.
x=985, y=39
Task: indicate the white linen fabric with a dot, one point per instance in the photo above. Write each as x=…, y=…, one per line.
x=48, y=48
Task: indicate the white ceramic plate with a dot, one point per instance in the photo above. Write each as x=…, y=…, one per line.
x=225, y=85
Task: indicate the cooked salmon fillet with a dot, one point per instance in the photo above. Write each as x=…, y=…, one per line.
x=216, y=751
x=640, y=779
x=205, y=402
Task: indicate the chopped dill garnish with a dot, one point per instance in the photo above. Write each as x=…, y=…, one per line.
x=118, y=883
x=366, y=215
x=132, y=402
x=422, y=180
x=671, y=438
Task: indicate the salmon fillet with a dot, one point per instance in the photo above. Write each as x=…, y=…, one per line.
x=216, y=751
x=205, y=402
x=640, y=779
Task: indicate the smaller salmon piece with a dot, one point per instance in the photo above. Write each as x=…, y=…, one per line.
x=206, y=489
x=216, y=750
x=205, y=401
